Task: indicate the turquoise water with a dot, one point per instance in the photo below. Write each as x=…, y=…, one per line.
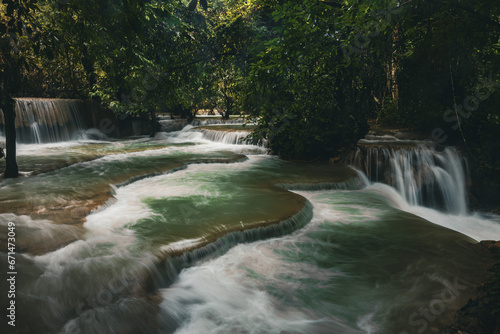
x=360, y=266
x=180, y=234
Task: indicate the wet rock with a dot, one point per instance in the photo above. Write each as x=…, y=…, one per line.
x=477, y=316
x=491, y=245
x=481, y=315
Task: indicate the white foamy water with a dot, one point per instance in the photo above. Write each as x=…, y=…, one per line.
x=220, y=297
x=329, y=277
x=473, y=225
x=365, y=263
x=128, y=204
x=422, y=175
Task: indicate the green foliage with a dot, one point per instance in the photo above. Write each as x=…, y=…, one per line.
x=449, y=66
x=309, y=72
x=16, y=29
x=304, y=93
x=389, y=114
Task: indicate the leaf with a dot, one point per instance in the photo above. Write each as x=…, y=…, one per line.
x=192, y=5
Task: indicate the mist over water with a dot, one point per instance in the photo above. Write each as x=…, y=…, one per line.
x=188, y=233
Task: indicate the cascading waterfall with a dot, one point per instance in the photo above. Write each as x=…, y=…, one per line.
x=229, y=137
x=47, y=120
x=216, y=121
x=421, y=175
x=226, y=137
x=204, y=237
x=169, y=124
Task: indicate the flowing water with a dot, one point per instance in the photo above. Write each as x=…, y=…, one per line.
x=421, y=174
x=47, y=120
x=199, y=232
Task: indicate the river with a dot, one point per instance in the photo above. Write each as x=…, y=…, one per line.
x=191, y=232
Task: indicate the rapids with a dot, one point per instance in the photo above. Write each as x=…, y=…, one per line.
x=197, y=231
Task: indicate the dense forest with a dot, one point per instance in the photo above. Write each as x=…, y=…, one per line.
x=311, y=77
x=311, y=72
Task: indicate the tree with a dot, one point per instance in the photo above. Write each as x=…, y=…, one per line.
x=232, y=32
x=15, y=26
x=309, y=99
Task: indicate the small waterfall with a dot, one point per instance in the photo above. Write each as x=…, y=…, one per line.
x=229, y=137
x=175, y=124
x=355, y=183
x=47, y=120
x=171, y=125
x=422, y=175
x=179, y=258
x=217, y=121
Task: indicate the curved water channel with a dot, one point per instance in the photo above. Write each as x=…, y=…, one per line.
x=189, y=232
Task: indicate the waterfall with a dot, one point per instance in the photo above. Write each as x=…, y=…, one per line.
x=47, y=120
x=228, y=137
x=177, y=257
x=171, y=125
x=216, y=121
x=421, y=175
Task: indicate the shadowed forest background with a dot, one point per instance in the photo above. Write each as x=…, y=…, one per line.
x=309, y=79
x=313, y=71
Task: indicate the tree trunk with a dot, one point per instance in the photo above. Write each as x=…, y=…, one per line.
x=71, y=72
x=229, y=107
x=153, y=125
x=87, y=61
x=392, y=68
x=11, y=168
x=9, y=86
x=88, y=66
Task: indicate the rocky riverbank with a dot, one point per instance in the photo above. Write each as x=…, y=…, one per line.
x=481, y=315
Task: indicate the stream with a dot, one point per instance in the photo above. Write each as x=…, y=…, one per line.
x=197, y=231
